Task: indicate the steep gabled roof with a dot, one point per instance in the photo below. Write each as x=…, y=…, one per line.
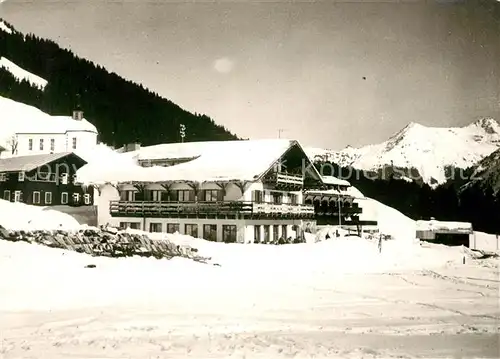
x=245, y=160
x=32, y=162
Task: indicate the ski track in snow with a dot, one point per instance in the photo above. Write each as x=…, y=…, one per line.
x=438, y=313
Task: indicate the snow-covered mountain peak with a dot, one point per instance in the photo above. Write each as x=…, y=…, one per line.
x=488, y=124
x=429, y=150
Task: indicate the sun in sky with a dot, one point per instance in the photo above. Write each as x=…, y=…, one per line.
x=223, y=65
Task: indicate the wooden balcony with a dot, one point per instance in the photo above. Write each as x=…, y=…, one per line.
x=227, y=209
x=285, y=181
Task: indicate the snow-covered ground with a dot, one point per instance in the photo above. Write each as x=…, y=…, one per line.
x=20, y=216
x=21, y=74
x=338, y=298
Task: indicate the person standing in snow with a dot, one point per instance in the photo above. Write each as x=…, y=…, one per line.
x=380, y=244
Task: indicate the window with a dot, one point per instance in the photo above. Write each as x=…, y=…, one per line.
x=276, y=232
x=267, y=233
x=6, y=195
x=18, y=196
x=74, y=143
x=76, y=197
x=20, y=176
x=36, y=197
x=41, y=144
x=191, y=230
x=229, y=234
x=86, y=198
x=257, y=236
x=3, y=177
x=293, y=198
x=48, y=197
x=64, y=178
x=64, y=198
x=185, y=195
x=30, y=144
x=284, y=231
x=131, y=225
x=277, y=197
x=155, y=227
x=172, y=227
x=210, y=232
x=52, y=144
x=211, y=195
x=155, y=196
x=257, y=196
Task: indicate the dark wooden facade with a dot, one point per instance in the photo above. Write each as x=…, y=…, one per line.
x=50, y=184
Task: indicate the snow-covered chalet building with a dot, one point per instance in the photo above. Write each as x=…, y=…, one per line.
x=229, y=191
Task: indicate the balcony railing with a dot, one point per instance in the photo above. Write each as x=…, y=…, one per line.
x=227, y=208
x=285, y=180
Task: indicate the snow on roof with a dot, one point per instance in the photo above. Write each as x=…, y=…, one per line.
x=21, y=74
x=4, y=27
x=331, y=180
x=434, y=225
x=29, y=163
x=16, y=117
x=242, y=160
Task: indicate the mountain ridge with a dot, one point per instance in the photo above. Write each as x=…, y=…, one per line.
x=122, y=110
x=431, y=151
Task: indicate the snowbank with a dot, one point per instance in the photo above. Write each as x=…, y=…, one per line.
x=390, y=221
x=20, y=216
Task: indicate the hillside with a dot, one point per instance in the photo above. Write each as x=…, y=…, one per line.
x=38, y=72
x=426, y=152
x=487, y=173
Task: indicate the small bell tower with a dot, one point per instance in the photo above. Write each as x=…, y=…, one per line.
x=77, y=112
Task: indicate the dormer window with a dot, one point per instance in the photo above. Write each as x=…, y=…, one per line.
x=20, y=177
x=30, y=144
x=74, y=143
x=41, y=144
x=52, y=144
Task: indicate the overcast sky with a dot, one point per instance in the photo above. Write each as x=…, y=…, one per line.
x=331, y=73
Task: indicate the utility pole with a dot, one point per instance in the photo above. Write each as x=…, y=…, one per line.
x=340, y=218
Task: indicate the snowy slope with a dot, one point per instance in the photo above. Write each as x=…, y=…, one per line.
x=427, y=149
x=21, y=74
x=487, y=173
x=4, y=27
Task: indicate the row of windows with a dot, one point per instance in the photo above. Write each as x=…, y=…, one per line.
x=263, y=233
x=276, y=197
x=211, y=195
x=39, y=177
x=52, y=144
x=17, y=196
x=229, y=232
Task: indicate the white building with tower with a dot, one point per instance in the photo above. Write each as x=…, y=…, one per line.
x=26, y=130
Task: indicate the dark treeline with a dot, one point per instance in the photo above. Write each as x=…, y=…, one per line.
x=451, y=201
x=122, y=111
